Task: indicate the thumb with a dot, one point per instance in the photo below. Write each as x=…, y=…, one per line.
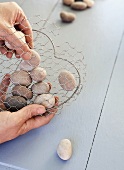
x=29, y=111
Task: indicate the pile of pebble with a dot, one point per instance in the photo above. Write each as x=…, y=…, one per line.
x=29, y=82
x=75, y=5
x=30, y=73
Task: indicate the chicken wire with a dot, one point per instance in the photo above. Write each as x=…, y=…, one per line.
x=54, y=59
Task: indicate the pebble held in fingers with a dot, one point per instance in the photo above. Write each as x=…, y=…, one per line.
x=21, y=78
x=79, y=5
x=67, y=16
x=64, y=149
x=47, y=100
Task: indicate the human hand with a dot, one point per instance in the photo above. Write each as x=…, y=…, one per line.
x=11, y=16
x=17, y=123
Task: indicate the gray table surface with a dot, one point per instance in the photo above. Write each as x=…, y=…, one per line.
x=94, y=123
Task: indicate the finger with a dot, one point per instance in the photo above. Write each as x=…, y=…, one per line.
x=9, y=54
x=50, y=85
x=2, y=107
x=51, y=111
x=1, y=43
x=19, y=18
x=5, y=51
x=25, y=27
x=54, y=110
x=29, y=111
x=36, y=122
x=3, y=89
x=56, y=100
x=17, y=55
x=5, y=83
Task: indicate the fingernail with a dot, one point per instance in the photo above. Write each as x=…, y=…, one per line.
x=41, y=110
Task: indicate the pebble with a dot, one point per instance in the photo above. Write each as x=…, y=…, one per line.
x=79, y=5
x=29, y=65
x=38, y=74
x=22, y=91
x=47, y=100
x=68, y=2
x=41, y=87
x=67, y=80
x=89, y=3
x=25, y=66
x=15, y=103
x=67, y=16
x=35, y=59
x=64, y=149
x=21, y=78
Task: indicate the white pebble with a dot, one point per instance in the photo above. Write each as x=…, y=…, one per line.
x=47, y=100
x=64, y=149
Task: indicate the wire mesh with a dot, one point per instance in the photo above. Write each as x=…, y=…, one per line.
x=55, y=58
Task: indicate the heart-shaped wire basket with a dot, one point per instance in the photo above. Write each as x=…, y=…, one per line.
x=54, y=59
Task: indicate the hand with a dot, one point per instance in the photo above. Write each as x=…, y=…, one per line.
x=11, y=16
x=17, y=123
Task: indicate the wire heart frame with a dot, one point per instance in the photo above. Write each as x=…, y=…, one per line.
x=54, y=59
